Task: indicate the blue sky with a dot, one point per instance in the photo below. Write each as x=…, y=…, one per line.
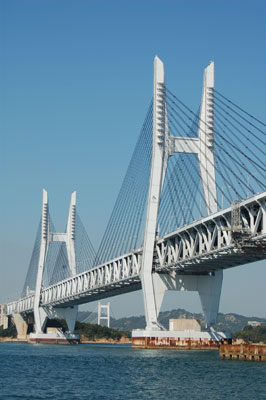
x=75, y=84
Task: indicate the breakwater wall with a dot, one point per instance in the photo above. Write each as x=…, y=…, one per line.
x=248, y=352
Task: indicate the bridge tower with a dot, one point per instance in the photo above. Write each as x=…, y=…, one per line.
x=104, y=313
x=154, y=285
x=41, y=314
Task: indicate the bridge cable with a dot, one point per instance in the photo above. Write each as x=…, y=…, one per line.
x=241, y=109
x=217, y=155
x=177, y=114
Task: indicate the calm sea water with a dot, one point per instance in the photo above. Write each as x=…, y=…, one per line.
x=119, y=372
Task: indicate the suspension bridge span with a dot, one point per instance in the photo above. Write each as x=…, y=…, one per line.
x=192, y=203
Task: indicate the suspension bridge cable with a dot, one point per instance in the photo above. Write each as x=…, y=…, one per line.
x=217, y=155
x=258, y=148
x=241, y=109
x=30, y=281
x=126, y=216
x=239, y=123
x=197, y=145
x=236, y=149
x=227, y=180
x=123, y=234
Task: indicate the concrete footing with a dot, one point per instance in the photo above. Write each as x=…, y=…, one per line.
x=54, y=337
x=182, y=340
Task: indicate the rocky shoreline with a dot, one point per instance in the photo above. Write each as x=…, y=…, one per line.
x=83, y=340
x=123, y=340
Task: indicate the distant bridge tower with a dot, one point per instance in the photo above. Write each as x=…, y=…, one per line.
x=154, y=285
x=69, y=313
x=104, y=313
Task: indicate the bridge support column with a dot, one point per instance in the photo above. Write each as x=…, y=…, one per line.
x=69, y=314
x=158, y=169
x=21, y=326
x=3, y=316
x=208, y=287
x=206, y=140
x=39, y=314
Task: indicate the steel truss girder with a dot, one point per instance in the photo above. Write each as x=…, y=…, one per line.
x=26, y=304
x=213, y=243
x=198, y=248
x=117, y=276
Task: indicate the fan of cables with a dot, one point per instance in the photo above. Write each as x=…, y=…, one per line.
x=239, y=154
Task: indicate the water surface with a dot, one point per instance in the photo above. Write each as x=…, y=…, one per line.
x=118, y=372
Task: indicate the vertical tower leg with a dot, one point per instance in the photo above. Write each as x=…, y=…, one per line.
x=108, y=315
x=70, y=313
x=206, y=138
x=209, y=288
x=70, y=234
x=158, y=167
x=99, y=313
x=39, y=314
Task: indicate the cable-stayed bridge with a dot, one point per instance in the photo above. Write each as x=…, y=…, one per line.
x=192, y=203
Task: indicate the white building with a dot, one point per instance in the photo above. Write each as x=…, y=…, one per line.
x=3, y=316
x=254, y=323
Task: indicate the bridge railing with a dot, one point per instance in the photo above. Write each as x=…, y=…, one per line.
x=110, y=275
x=212, y=243
x=22, y=305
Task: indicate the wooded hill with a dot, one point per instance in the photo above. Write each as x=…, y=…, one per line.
x=226, y=322
x=95, y=331
x=252, y=334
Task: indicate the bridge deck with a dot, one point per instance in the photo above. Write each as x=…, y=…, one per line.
x=204, y=246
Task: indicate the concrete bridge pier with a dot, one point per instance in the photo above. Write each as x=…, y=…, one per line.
x=208, y=286
x=21, y=325
x=69, y=314
x=3, y=316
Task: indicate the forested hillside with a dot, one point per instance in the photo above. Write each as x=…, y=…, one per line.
x=226, y=322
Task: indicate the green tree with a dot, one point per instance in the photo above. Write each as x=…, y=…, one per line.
x=252, y=334
x=9, y=332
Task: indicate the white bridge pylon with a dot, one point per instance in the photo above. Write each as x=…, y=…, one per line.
x=41, y=314
x=154, y=285
x=192, y=258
